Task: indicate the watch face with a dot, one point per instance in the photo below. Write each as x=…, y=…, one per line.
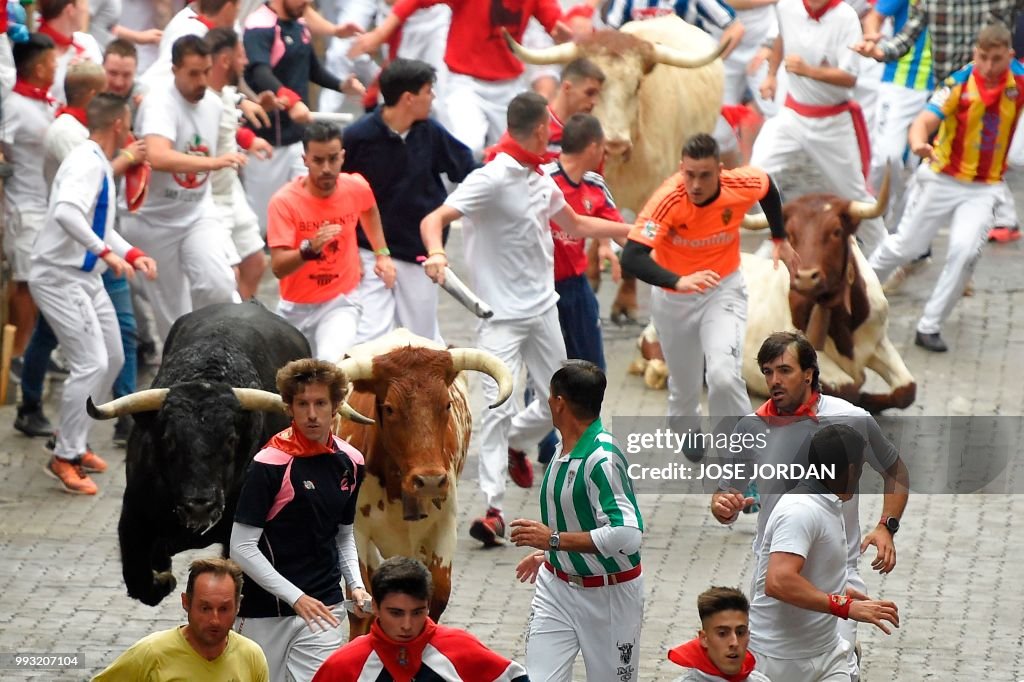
x=893, y=524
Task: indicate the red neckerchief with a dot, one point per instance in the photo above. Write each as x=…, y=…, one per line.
x=208, y=23
x=401, y=659
x=769, y=412
x=292, y=442
x=515, y=150
x=77, y=112
x=693, y=655
x=989, y=96
x=32, y=92
x=61, y=39
x=818, y=14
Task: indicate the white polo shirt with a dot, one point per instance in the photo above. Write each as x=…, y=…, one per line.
x=25, y=121
x=809, y=525
x=820, y=43
x=63, y=135
x=86, y=181
x=83, y=48
x=509, y=248
x=179, y=200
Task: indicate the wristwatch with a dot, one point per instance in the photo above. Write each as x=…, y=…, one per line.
x=553, y=541
x=306, y=251
x=891, y=523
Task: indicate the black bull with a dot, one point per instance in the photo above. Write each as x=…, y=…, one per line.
x=191, y=444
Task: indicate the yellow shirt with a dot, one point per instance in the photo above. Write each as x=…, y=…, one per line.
x=168, y=657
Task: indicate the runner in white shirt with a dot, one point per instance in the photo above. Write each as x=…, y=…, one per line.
x=60, y=20
x=76, y=244
x=510, y=251
x=197, y=19
x=820, y=116
x=800, y=588
x=242, y=227
x=27, y=113
x=179, y=120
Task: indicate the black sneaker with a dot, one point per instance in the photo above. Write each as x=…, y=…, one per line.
x=932, y=342
x=33, y=423
x=121, y=430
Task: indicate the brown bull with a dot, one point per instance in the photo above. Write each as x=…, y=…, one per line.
x=663, y=84
x=834, y=297
x=408, y=504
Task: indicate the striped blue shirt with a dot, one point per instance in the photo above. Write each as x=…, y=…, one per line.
x=703, y=14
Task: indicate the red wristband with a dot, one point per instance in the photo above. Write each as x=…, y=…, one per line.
x=133, y=255
x=290, y=97
x=104, y=252
x=839, y=605
x=244, y=137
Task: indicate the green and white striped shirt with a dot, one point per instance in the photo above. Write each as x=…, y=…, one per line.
x=585, y=490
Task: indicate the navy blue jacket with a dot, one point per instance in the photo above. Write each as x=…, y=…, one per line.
x=405, y=175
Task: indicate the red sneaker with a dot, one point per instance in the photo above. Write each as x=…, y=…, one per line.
x=92, y=462
x=1004, y=235
x=489, y=529
x=71, y=476
x=520, y=469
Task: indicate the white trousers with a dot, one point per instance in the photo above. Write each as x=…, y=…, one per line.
x=601, y=622
x=829, y=667
x=239, y=222
x=848, y=627
x=535, y=342
x=411, y=303
x=476, y=109
x=738, y=81
x=336, y=59
x=704, y=333
x=831, y=144
x=192, y=264
x=329, y=327
x=83, y=319
x=938, y=199
x=896, y=109
x=294, y=652
x=263, y=178
x=869, y=77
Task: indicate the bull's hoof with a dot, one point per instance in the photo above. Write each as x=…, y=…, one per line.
x=656, y=375
x=901, y=398
x=637, y=367
x=163, y=584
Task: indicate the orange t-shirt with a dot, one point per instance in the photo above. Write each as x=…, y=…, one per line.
x=294, y=214
x=686, y=238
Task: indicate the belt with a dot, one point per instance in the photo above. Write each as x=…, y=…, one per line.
x=595, y=580
x=860, y=126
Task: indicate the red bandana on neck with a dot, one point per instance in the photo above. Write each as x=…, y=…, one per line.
x=61, y=39
x=693, y=655
x=205, y=21
x=515, y=150
x=769, y=412
x=32, y=92
x=990, y=96
x=819, y=13
x=401, y=659
x=77, y=112
x=295, y=444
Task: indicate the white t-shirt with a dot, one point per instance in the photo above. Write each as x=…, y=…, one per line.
x=810, y=525
x=8, y=73
x=86, y=181
x=63, y=135
x=184, y=23
x=820, y=43
x=224, y=179
x=178, y=200
x=103, y=16
x=140, y=15
x=22, y=131
x=508, y=236
x=83, y=48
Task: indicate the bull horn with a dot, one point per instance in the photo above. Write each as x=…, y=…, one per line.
x=491, y=365
x=356, y=369
x=864, y=209
x=348, y=412
x=663, y=54
x=754, y=221
x=556, y=54
x=258, y=400
x=141, y=401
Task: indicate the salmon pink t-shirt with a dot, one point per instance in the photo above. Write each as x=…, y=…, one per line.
x=294, y=214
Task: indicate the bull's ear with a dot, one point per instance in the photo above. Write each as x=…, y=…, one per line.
x=849, y=223
x=145, y=420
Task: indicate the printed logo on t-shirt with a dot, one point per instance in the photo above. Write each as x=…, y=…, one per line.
x=726, y=216
x=195, y=147
x=650, y=229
